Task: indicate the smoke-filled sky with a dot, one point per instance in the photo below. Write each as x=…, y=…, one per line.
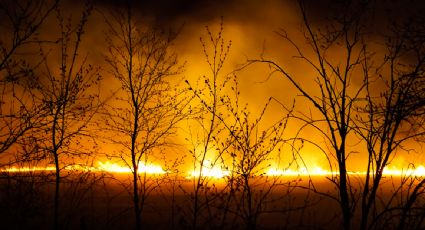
x=252, y=25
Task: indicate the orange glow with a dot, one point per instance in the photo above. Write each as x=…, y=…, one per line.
x=216, y=171
x=27, y=169
x=209, y=170
x=316, y=171
x=116, y=168
x=102, y=167
x=418, y=171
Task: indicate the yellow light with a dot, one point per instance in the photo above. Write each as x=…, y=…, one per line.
x=150, y=169
x=216, y=171
x=418, y=171
x=112, y=167
x=27, y=169
x=102, y=167
x=316, y=171
x=212, y=171
x=116, y=168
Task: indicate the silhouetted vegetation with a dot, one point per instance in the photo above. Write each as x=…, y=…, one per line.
x=362, y=98
x=146, y=109
x=217, y=159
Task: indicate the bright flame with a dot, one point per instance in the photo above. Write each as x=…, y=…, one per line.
x=27, y=169
x=143, y=168
x=418, y=171
x=210, y=170
x=216, y=171
x=317, y=171
x=113, y=167
x=102, y=167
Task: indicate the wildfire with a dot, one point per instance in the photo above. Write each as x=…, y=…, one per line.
x=316, y=171
x=418, y=171
x=216, y=171
x=213, y=173
x=143, y=168
x=101, y=167
x=210, y=170
x=27, y=169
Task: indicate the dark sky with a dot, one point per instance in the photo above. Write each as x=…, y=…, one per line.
x=168, y=11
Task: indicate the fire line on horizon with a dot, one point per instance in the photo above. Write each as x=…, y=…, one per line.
x=215, y=172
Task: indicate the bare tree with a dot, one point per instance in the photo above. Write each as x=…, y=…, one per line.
x=20, y=22
x=146, y=109
x=394, y=117
x=228, y=139
x=347, y=107
x=207, y=128
x=69, y=100
x=252, y=146
x=337, y=94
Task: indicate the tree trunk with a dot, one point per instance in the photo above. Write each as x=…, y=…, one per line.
x=136, y=199
x=57, y=193
x=345, y=202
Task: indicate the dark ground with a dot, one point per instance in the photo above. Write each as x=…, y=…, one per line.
x=98, y=202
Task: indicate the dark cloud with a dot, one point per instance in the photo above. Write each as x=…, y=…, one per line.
x=174, y=12
x=167, y=11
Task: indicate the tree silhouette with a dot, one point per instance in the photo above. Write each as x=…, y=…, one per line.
x=20, y=22
x=146, y=109
x=229, y=138
x=206, y=154
x=69, y=101
x=349, y=110
x=360, y=102
x=337, y=96
x=251, y=147
x=393, y=116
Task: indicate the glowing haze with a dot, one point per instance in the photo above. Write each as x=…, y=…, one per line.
x=251, y=25
x=214, y=171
